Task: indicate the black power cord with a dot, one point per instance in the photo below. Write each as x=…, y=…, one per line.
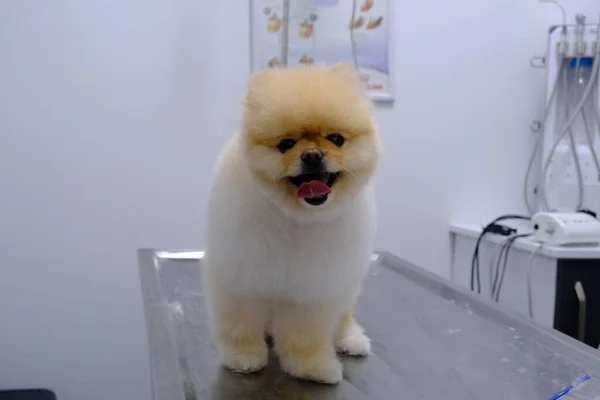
x=492, y=227
x=589, y=212
x=501, y=265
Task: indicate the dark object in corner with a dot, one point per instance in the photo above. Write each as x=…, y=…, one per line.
x=27, y=394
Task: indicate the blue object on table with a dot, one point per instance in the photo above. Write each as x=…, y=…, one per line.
x=566, y=390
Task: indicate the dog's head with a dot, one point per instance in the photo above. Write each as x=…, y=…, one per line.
x=309, y=137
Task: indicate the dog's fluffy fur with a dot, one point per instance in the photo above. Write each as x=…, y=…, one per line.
x=274, y=263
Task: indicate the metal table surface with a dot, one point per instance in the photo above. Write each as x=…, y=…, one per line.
x=430, y=339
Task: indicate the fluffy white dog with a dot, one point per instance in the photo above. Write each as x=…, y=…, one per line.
x=291, y=222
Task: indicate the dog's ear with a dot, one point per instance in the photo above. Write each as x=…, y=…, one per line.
x=344, y=69
x=258, y=85
x=260, y=79
x=347, y=72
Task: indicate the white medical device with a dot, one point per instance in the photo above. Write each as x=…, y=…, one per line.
x=570, y=141
x=559, y=229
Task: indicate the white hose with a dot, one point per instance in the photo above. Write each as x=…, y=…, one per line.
x=540, y=140
x=589, y=129
x=493, y=262
x=568, y=93
x=530, y=279
x=573, y=144
x=590, y=139
x=562, y=9
x=596, y=109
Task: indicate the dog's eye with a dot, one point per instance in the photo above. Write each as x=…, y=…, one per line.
x=286, y=144
x=336, y=139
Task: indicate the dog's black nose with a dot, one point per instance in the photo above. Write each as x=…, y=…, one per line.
x=312, y=159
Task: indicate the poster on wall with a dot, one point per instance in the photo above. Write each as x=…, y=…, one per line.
x=325, y=32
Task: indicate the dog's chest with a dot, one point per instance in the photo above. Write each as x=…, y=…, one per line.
x=304, y=262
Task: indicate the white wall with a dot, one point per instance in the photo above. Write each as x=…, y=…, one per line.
x=111, y=114
x=110, y=118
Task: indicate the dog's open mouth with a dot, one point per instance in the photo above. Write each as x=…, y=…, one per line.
x=314, y=188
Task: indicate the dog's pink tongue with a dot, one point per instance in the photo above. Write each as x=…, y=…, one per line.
x=309, y=190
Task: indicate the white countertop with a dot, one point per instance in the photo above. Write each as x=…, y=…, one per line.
x=528, y=243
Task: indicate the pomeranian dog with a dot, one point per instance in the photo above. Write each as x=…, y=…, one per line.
x=291, y=221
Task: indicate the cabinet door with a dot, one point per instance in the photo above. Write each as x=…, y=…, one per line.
x=577, y=315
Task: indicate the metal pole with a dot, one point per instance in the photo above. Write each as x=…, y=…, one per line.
x=285, y=31
x=352, y=42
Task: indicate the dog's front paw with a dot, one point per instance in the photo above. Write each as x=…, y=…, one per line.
x=355, y=344
x=245, y=359
x=351, y=338
x=321, y=367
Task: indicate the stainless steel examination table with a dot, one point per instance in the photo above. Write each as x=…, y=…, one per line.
x=431, y=340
